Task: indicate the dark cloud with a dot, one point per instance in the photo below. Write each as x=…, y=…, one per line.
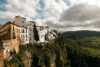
x=81, y=12
x=78, y=16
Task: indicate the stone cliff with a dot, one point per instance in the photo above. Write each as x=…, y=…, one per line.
x=52, y=54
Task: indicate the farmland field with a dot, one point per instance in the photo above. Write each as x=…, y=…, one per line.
x=93, y=51
x=91, y=44
x=91, y=41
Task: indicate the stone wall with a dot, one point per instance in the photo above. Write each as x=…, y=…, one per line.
x=10, y=47
x=1, y=55
x=5, y=32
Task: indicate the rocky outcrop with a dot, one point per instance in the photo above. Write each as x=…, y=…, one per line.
x=27, y=58
x=1, y=55
x=52, y=54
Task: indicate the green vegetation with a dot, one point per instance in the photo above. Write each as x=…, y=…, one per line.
x=57, y=48
x=74, y=55
x=17, y=60
x=91, y=44
x=49, y=57
x=89, y=41
x=82, y=51
x=36, y=36
x=42, y=64
x=94, y=52
x=64, y=57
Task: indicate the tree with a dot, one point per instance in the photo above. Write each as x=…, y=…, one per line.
x=55, y=31
x=36, y=36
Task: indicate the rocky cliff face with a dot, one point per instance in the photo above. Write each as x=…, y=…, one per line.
x=27, y=58
x=52, y=54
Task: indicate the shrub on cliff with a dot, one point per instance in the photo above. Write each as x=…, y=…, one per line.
x=76, y=54
x=57, y=48
x=17, y=60
x=49, y=58
x=42, y=64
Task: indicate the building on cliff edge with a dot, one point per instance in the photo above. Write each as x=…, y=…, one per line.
x=21, y=32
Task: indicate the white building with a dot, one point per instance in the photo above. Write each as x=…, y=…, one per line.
x=28, y=28
x=20, y=21
x=41, y=33
x=30, y=25
x=49, y=37
x=24, y=34
x=45, y=34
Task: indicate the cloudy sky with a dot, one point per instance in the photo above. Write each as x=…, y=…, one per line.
x=61, y=15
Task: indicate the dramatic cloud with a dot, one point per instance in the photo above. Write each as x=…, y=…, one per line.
x=81, y=12
x=62, y=15
x=25, y=8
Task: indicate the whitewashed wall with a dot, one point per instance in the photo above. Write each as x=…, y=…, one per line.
x=24, y=34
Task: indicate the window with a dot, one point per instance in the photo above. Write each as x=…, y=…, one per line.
x=26, y=31
x=30, y=29
x=22, y=30
x=14, y=37
x=26, y=35
x=22, y=21
x=13, y=27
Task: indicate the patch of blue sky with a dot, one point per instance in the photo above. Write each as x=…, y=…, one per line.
x=2, y=2
x=42, y=17
x=57, y=1
x=2, y=22
x=34, y=18
x=67, y=2
x=2, y=8
x=39, y=11
x=42, y=4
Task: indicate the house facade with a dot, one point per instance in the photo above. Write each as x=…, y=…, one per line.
x=9, y=36
x=24, y=35
x=20, y=21
x=27, y=32
x=24, y=32
x=30, y=26
x=45, y=34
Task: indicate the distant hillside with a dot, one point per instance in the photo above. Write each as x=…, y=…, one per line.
x=82, y=32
